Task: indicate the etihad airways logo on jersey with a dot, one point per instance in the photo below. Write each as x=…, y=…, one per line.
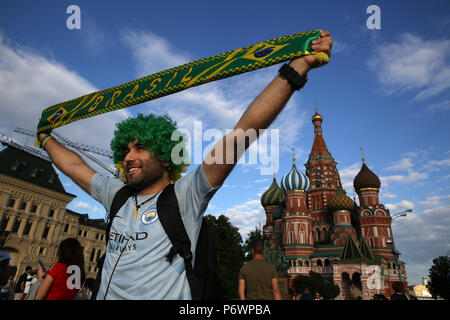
x=120, y=239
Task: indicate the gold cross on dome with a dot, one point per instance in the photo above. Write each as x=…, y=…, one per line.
x=362, y=155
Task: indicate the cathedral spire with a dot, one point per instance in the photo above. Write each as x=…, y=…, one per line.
x=319, y=148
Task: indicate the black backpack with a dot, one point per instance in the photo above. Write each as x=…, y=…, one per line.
x=203, y=278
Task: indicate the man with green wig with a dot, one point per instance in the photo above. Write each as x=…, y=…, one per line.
x=135, y=266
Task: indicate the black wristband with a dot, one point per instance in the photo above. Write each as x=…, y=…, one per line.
x=293, y=77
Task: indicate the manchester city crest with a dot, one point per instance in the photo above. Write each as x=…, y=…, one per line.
x=149, y=216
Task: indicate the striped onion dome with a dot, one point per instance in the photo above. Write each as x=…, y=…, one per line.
x=366, y=179
x=273, y=196
x=340, y=201
x=295, y=180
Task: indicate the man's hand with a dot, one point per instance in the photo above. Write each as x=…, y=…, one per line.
x=323, y=44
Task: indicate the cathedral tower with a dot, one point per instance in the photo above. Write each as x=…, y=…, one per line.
x=297, y=234
x=374, y=219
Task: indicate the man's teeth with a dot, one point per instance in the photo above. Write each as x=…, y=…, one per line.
x=132, y=169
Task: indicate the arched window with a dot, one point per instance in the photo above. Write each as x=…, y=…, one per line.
x=306, y=263
x=327, y=263
x=11, y=203
x=319, y=263
x=324, y=234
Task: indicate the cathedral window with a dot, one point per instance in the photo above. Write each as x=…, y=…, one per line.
x=319, y=263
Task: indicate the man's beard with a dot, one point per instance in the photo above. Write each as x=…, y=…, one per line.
x=146, y=178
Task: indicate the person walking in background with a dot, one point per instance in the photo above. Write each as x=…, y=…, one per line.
x=20, y=286
x=54, y=286
x=258, y=279
x=27, y=285
x=399, y=292
x=35, y=283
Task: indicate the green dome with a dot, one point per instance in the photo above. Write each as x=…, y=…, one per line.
x=340, y=201
x=273, y=196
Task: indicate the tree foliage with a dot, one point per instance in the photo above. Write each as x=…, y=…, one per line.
x=254, y=235
x=439, y=274
x=316, y=284
x=228, y=242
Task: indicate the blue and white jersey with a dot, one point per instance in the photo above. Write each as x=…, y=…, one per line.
x=142, y=272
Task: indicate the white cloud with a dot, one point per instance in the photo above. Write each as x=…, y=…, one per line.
x=388, y=195
x=412, y=176
x=246, y=216
x=348, y=175
x=81, y=205
x=421, y=237
x=413, y=64
x=436, y=165
x=433, y=201
x=400, y=206
x=30, y=82
x=401, y=165
x=153, y=52
x=441, y=106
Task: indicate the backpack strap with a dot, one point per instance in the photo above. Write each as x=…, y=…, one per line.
x=170, y=218
x=119, y=200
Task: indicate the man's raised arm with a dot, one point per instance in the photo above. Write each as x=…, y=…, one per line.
x=259, y=115
x=70, y=163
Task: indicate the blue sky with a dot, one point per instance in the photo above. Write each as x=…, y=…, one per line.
x=385, y=90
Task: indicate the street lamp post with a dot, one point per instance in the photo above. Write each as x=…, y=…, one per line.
x=395, y=252
x=401, y=214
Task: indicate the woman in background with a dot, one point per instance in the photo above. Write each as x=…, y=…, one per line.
x=55, y=286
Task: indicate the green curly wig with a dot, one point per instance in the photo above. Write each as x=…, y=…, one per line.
x=155, y=133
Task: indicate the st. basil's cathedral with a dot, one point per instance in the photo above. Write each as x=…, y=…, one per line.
x=321, y=229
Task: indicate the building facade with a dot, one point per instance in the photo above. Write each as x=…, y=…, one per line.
x=33, y=208
x=321, y=229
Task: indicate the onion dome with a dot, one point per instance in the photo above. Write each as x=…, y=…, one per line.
x=295, y=180
x=366, y=179
x=340, y=201
x=316, y=116
x=273, y=196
